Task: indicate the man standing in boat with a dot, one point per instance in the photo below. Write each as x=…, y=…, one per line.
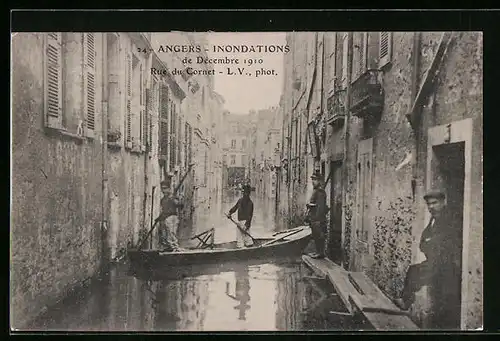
x=169, y=220
x=317, y=211
x=244, y=206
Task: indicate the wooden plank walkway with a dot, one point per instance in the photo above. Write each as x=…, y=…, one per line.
x=359, y=293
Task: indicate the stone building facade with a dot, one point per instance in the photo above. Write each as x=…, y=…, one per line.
x=94, y=133
x=395, y=114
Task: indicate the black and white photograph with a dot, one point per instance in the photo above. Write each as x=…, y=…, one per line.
x=210, y=181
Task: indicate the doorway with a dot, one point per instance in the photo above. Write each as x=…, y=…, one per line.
x=449, y=169
x=334, y=245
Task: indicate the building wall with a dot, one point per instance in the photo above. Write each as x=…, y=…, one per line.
x=397, y=214
x=57, y=191
x=83, y=184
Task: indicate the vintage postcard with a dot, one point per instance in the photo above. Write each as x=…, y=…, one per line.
x=246, y=181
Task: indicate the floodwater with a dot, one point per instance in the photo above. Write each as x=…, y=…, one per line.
x=271, y=296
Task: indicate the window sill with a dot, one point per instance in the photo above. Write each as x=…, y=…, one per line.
x=64, y=133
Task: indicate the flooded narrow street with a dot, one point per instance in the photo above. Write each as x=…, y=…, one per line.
x=242, y=296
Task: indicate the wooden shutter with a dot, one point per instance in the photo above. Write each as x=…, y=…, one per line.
x=163, y=126
x=143, y=134
x=128, y=113
x=331, y=63
x=190, y=144
x=345, y=49
x=147, y=120
x=364, y=188
x=53, y=81
x=89, y=82
x=385, y=48
x=179, y=138
x=173, y=133
x=361, y=44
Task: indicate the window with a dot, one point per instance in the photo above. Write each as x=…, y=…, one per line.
x=54, y=73
x=385, y=48
x=359, y=58
x=233, y=144
x=224, y=159
x=233, y=159
x=53, y=81
x=243, y=144
x=243, y=160
x=163, y=136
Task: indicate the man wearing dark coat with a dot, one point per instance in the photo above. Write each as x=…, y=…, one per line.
x=317, y=211
x=441, y=243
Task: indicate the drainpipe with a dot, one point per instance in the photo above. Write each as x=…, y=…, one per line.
x=415, y=81
x=345, y=178
x=104, y=128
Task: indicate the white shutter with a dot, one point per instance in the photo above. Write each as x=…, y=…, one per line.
x=345, y=49
x=128, y=96
x=385, y=48
x=53, y=81
x=89, y=55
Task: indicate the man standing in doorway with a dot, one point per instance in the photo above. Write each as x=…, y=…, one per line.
x=169, y=219
x=441, y=243
x=316, y=215
x=244, y=206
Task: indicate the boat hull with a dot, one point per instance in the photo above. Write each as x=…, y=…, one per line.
x=156, y=258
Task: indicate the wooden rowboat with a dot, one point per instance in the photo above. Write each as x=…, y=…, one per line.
x=283, y=244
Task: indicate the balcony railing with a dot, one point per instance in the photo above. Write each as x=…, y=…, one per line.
x=367, y=95
x=336, y=107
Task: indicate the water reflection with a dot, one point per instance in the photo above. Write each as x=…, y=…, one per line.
x=269, y=297
x=241, y=291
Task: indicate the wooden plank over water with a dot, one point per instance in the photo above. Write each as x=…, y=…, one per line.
x=359, y=293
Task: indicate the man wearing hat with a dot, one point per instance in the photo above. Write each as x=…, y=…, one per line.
x=169, y=220
x=316, y=215
x=244, y=206
x=441, y=243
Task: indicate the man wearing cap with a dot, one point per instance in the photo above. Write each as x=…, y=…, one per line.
x=441, y=243
x=244, y=206
x=316, y=215
x=169, y=218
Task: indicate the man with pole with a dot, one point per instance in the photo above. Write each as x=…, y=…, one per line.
x=168, y=218
x=244, y=206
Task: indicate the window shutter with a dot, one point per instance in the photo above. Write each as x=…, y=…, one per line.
x=147, y=120
x=163, y=127
x=362, y=54
x=53, y=81
x=89, y=82
x=385, y=48
x=128, y=113
x=179, y=139
x=345, y=49
x=332, y=61
x=143, y=111
x=173, y=144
